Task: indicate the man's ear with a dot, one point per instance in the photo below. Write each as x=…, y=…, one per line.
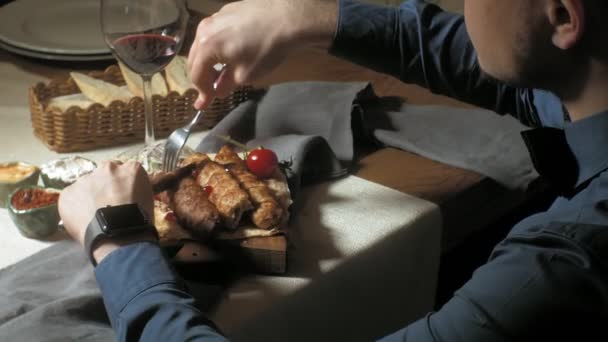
x=567, y=17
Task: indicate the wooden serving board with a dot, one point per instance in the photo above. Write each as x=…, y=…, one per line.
x=266, y=255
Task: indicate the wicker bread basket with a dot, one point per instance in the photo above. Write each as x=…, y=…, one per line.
x=79, y=129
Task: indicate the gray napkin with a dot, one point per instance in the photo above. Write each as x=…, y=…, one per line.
x=473, y=139
x=320, y=125
x=307, y=124
x=52, y=296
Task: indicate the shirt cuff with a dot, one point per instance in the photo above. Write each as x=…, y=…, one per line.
x=362, y=30
x=130, y=270
x=341, y=35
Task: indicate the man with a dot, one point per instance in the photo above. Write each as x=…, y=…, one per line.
x=547, y=280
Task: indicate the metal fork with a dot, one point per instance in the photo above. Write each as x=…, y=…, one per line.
x=177, y=139
x=176, y=142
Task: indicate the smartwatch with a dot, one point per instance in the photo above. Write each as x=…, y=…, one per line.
x=116, y=221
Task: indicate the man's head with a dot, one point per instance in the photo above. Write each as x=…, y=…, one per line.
x=537, y=43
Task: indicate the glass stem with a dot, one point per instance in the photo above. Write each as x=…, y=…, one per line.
x=148, y=110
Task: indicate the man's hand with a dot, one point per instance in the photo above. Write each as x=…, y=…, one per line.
x=110, y=184
x=252, y=37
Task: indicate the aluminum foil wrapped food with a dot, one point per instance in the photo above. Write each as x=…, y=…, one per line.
x=62, y=172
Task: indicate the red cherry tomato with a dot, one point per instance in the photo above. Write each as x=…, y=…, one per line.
x=262, y=162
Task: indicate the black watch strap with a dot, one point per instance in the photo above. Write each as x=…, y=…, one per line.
x=115, y=222
x=92, y=235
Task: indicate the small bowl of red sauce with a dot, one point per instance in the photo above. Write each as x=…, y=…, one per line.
x=34, y=211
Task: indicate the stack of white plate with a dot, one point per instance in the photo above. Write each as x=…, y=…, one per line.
x=63, y=30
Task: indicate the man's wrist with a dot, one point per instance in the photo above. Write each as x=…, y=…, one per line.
x=105, y=246
x=314, y=23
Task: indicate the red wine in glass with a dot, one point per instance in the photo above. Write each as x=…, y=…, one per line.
x=146, y=53
x=145, y=35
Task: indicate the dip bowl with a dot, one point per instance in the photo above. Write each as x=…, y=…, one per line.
x=14, y=175
x=36, y=222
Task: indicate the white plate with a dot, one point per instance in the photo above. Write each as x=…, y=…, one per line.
x=56, y=57
x=66, y=27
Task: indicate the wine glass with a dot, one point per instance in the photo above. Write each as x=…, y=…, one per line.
x=145, y=35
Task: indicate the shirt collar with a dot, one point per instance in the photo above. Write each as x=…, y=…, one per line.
x=571, y=157
x=588, y=141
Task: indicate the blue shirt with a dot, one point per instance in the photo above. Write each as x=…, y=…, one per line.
x=548, y=280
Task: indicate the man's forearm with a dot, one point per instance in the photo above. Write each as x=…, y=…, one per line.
x=416, y=42
x=420, y=43
x=314, y=22
x=146, y=300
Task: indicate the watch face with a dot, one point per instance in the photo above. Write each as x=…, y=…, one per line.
x=121, y=218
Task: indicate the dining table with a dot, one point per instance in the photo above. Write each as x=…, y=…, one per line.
x=369, y=243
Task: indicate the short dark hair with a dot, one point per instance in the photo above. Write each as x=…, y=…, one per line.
x=596, y=12
x=597, y=6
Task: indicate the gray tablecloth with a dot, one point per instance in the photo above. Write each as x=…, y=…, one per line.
x=52, y=295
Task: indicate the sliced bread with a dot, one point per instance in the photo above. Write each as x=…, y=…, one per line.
x=177, y=75
x=136, y=84
x=99, y=91
x=64, y=102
